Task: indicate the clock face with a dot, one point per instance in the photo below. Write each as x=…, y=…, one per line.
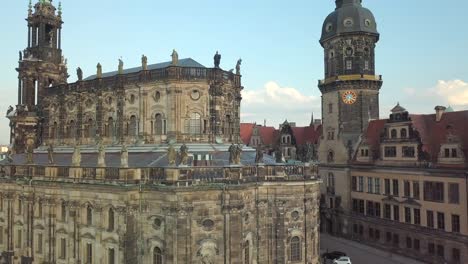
x=349, y=97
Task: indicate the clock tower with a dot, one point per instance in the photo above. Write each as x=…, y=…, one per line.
x=350, y=98
x=350, y=90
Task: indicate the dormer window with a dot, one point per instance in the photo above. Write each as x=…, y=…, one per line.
x=390, y=152
x=454, y=153
x=408, y=152
x=393, y=134
x=403, y=133
x=364, y=152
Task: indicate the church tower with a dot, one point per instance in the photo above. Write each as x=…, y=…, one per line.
x=41, y=65
x=350, y=98
x=350, y=90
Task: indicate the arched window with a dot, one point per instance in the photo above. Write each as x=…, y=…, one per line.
x=403, y=133
x=295, y=249
x=194, y=124
x=247, y=252
x=63, y=212
x=157, y=96
x=72, y=129
x=89, y=215
x=157, y=256
x=132, y=129
x=110, y=127
x=393, y=134
x=331, y=156
x=90, y=128
x=111, y=256
x=158, y=125
x=331, y=180
x=111, y=219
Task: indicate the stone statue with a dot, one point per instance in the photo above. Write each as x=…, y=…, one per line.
x=217, y=59
x=79, y=73
x=124, y=157
x=238, y=67
x=99, y=71
x=29, y=154
x=9, y=156
x=76, y=157
x=232, y=153
x=259, y=155
x=279, y=156
x=10, y=109
x=144, y=62
x=207, y=252
x=50, y=154
x=121, y=64
x=238, y=154
x=175, y=57
x=171, y=155
x=20, y=55
x=101, y=156
x=183, y=155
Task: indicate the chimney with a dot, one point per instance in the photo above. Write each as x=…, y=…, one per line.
x=440, y=110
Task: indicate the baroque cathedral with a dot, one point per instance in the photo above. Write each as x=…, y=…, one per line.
x=143, y=165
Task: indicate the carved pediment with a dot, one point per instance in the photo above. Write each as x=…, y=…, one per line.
x=18, y=223
x=39, y=227
x=88, y=236
x=390, y=199
x=62, y=231
x=110, y=240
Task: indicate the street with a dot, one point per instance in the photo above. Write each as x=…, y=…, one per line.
x=359, y=253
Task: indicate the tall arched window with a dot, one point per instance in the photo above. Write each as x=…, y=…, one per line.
x=157, y=256
x=247, y=252
x=295, y=249
x=132, y=130
x=90, y=129
x=72, y=129
x=89, y=215
x=110, y=127
x=111, y=219
x=403, y=133
x=393, y=133
x=158, y=125
x=194, y=124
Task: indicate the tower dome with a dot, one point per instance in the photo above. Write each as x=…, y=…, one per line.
x=348, y=17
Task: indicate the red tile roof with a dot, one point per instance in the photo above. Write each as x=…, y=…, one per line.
x=307, y=134
x=246, y=130
x=432, y=133
x=268, y=135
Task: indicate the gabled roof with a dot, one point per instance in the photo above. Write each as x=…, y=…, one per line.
x=246, y=130
x=433, y=134
x=307, y=134
x=268, y=134
x=184, y=63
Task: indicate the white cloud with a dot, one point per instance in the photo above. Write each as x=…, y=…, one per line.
x=455, y=92
x=276, y=103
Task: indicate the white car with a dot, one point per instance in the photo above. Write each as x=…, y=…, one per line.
x=342, y=260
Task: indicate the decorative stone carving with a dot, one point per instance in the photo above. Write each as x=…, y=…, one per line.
x=124, y=157
x=10, y=109
x=175, y=57
x=235, y=152
x=207, y=252
x=76, y=157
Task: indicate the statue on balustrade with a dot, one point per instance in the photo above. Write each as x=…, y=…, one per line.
x=217, y=60
x=76, y=157
x=101, y=156
x=50, y=154
x=238, y=154
x=279, y=156
x=79, y=74
x=175, y=57
x=144, y=62
x=10, y=109
x=232, y=153
x=238, y=67
x=171, y=155
x=99, y=70
x=259, y=155
x=29, y=153
x=183, y=155
x=124, y=157
x=121, y=65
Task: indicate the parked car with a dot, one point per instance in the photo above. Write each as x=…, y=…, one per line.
x=342, y=260
x=333, y=255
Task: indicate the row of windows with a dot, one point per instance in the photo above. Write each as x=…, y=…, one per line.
x=406, y=152
x=411, y=243
x=411, y=215
x=433, y=191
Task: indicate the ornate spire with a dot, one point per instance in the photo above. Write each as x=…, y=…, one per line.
x=60, y=9
x=30, y=8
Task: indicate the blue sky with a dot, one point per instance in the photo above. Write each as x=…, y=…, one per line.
x=422, y=53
